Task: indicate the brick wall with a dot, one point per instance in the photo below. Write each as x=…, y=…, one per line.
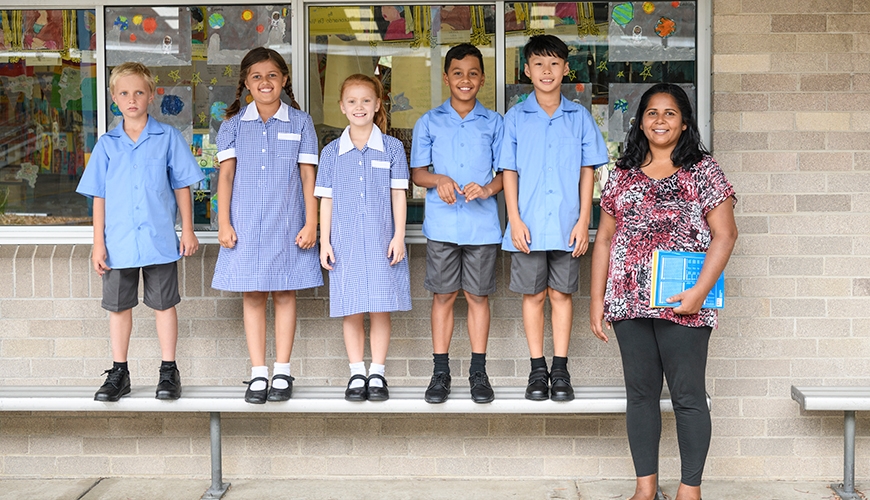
x=790, y=127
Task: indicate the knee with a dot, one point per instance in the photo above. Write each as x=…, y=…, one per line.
x=476, y=300
x=445, y=299
x=535, y=299
x=255, y=299
x=283, y=297
x=557, y=297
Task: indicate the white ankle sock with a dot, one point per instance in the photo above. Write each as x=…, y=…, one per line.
x=357, y=369
x=280, y=369
x=376, y=369
x=259, y=371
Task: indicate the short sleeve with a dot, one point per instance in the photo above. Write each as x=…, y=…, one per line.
x=399, y=173
x=93, y=181
x=497, y=136
x=713, y=186
x=183, y=169
x=323, y=182
x=594, y=149
x=226, y=139
x=308, y=147
x=507, y=156
x=421, y=145
x=608, y=194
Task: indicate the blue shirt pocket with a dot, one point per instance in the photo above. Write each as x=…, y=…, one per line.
x=288, y=145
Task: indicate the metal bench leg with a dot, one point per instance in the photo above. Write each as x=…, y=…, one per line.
x=659, y=494
x=846, y=490
x=218, y=487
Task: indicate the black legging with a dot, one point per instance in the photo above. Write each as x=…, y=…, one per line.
x=651, y=348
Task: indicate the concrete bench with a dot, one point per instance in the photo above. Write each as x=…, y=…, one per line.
x=215, y=400
x=845, y=399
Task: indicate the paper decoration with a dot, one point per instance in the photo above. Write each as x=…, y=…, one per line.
x=220, y=97
x=624, y=99
x=43, y=30
x=233, y=30
x=652, y=31
x=158, y=36
x=171, y=105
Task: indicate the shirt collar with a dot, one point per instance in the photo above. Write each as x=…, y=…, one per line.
x=253, y=113
x=530, y=105
x=376, y=140
x=152, y=127
x=447, y=108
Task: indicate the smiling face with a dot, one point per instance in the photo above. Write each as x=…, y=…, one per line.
x=546, y=72
x=359, y=104
x=265, y=82
x=132, y=94
x=464, y=78
x=662, y=121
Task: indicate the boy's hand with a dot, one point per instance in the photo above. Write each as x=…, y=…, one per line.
x=596, y=317
x=447, y=189
x=307, y=236
x=227, y=236
x=580, y=239
x=475, y=191
x=396, y=250
x=189, y=243
x=690, y=302
x=520, y=236
x=326, y=255
x=98, y=258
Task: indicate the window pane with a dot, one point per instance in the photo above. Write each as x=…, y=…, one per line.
x=402, y=46
x=48, y=114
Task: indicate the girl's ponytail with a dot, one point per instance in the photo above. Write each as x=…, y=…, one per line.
x=289, y=89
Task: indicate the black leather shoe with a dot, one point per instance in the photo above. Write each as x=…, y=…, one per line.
x=117, y=384
x=439, y=388
x=560, y=385
x=169, y=386
x=538, y=390
x=281, y=394
x=357, y=393
x=481, y=391
x=256, y=397
x=377, y=393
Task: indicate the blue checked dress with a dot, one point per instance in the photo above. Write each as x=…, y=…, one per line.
x=359, y=183
x=267, y=209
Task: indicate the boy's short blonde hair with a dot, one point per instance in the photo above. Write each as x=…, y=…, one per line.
x=131, y=68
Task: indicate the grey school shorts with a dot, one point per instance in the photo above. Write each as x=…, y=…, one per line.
x=534, y=272
x=450, y=267
x=121, y=287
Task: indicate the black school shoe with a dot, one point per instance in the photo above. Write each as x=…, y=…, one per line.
x=560, y=385
x=281, y=394
x=481, y=391
x=169, y=386
x=377, y=393
x=538, y=389
x=439, y=388
x=117, y=384
x=256, y=397
x=357, y=393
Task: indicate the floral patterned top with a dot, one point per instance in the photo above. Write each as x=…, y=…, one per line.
x=663, y=214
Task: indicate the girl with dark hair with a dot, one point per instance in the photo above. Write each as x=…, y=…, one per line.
x=267, y=214
x=666, y=193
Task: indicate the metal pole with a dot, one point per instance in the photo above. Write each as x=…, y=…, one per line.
x=218, y=487
x=846, y=490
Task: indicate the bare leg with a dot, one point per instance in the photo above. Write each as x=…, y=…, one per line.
x=646, y=488
x=120, y=329
x=562, y=317
x=380, y=336
x=533, y=321
x=442, y=321
x=685, y=492
x=354, y=337
x=254, y=304
x=478, y=321
x=285, y=324
x=167, y=332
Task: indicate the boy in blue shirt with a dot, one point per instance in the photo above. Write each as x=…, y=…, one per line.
x=550, y=149
x=138, y=176
x=460, y=140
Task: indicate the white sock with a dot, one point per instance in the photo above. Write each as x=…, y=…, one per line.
x=281, y=369
x=259, y=371
x=357, y=369
x=376, y=369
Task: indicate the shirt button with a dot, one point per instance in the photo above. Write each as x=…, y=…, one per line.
x=264, y=133
x=462, y=126
x=135, y=166
x=360, y=178
x=263, y=167
x=461, y=164
x=550, y=169
x=264, y=150
x=462, y=144
x=360, y=163
x=361, y=195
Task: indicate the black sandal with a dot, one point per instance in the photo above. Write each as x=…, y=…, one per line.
x=378, y=393
x=281, y=394
x=357, y=393
x=256, y=397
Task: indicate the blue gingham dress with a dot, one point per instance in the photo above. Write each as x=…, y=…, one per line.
x=267, y=209
x=359, y=183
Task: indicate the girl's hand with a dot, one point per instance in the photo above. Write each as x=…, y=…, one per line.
x=227, y=236
x=98, y=259
x=189, y=244
x=580, y=239
x=690, y=302
x=307, y=236
x=326, y=255
x=596, y=317
x=520, y=236
x=474, y=191
x=396, y=251
x=447, y=189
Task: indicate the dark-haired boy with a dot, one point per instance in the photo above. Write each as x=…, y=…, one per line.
x=460, y=141
x=551, y=146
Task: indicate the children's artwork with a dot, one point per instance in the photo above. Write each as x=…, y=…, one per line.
x=86, y=29
x=452, y=24
x=220, y=98
x=396, y=22
x=171, y=105
x=624, y=98
x=43, y=30
x=233, y=30
x=16, y=86
x=652, y=31
x=69, y=86
x=580, y=93
x=158, y=36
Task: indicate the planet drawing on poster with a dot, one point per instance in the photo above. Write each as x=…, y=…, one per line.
x=218, y=110
x=171, y=105
x=115, y=109
x=649, y=7
x=216, y=20
x=665, y=27
x=623, y=13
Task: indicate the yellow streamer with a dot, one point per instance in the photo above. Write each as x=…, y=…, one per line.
x=478, y=27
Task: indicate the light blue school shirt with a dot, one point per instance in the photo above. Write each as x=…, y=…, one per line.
x=137, y=180
x=547, y=154
x=464, y=149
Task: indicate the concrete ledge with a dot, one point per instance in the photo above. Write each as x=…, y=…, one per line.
x=832, y=398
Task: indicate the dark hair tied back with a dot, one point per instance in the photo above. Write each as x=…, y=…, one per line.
x=254, y=56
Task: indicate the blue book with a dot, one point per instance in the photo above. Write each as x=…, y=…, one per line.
x=675, y=272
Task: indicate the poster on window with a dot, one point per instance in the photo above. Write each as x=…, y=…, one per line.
x=652, y=31
x=624, y=99
x=155, y=36
x=172, y=105
x=233, y=30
